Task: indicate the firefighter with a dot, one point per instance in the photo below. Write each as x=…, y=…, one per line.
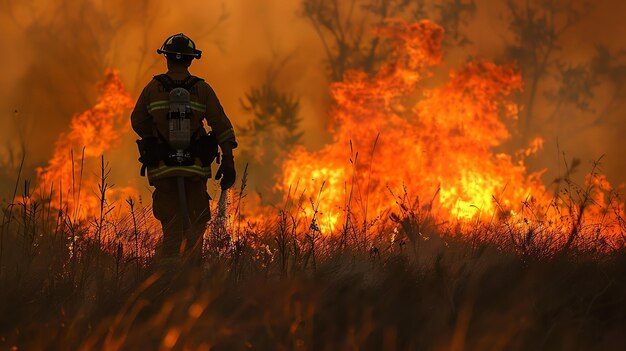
x=177, y=151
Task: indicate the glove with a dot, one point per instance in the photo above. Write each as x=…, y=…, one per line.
x=226, y=172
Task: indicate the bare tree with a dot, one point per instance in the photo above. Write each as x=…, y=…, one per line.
x=347, y=30
x=454, y=15
x=538, y=27
x=610, y=68
x=578, y=86
x=576, y=89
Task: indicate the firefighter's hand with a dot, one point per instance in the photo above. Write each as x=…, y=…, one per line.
x=226, y=172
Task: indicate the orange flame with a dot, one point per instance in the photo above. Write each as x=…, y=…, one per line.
x=391, y=132
x=90, y=135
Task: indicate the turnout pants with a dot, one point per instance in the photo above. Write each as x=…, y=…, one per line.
x=166, y=208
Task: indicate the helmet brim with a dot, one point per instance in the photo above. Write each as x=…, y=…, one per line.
x=197, y=54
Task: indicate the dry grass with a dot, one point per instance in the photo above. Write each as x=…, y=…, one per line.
x=402, y=283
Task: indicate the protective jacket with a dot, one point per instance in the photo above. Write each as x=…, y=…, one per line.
x=149, y=119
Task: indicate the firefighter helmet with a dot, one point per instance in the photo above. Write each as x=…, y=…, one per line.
x=179, y=45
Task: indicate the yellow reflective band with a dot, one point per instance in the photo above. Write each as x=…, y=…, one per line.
x=165, y=107
x=228, y=134
x=160, y=107
x=164, y=170
x=198, y=106
x=164, y=104
x=159, y=102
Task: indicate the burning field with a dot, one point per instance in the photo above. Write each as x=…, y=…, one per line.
x=427, y=217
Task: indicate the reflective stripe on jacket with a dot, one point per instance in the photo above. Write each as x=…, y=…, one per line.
x=149, y=118
x=164, y=171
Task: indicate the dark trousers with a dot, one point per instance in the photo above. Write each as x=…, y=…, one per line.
x=178, y=242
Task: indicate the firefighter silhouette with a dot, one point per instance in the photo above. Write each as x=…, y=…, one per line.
x=176, y=150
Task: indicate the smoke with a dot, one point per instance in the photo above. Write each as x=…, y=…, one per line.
x=57, y=51
x=602, y=26
x=64, y=49
x=569, y=132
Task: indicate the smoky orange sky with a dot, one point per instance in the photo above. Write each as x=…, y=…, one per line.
x=54, y=55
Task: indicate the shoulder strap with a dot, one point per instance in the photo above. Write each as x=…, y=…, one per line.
x=190, y=81
x=165, y=80
x=168, y=83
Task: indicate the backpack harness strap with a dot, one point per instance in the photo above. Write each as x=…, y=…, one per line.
x=205, y=146
x=168, y=83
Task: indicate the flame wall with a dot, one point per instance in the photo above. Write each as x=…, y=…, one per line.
x=59, y=51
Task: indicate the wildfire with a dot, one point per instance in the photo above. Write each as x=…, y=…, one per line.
x=90, y=135
x=391, y=133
